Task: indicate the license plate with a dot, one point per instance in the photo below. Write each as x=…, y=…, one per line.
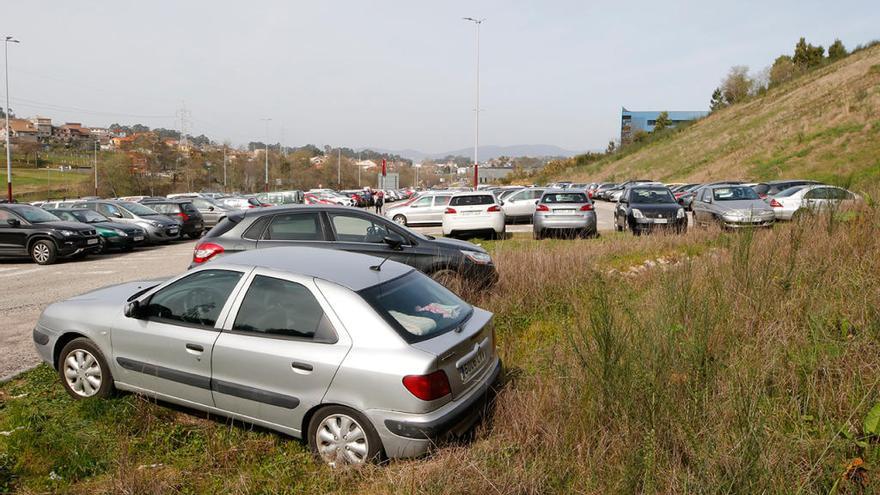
x=565, y=212
x=172, y=231
x=138, y=238
x=661, y=220
x=470, y=213
x=92, y=241
x=468, y=369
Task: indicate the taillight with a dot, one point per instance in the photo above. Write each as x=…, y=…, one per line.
x=183, y=216
x=428, y=387
x=494, y=208
x=542, y=207
x=251, y=206
x=775, y=204
x=206, y=251
x=587, y=207
x=450, y=211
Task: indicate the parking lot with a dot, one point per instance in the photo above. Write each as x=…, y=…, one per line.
x=29, y=288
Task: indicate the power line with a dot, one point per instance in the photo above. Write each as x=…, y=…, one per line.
x=41, y=105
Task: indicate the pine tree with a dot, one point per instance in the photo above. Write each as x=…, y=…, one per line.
x=836, y=51
x=662, y=121
x=717, y=101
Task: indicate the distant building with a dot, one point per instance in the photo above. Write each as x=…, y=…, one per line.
x=366, y=164
x=21, y=131
x=632, y=122
x=71, y=131
x=488, y=175
x=43, y=125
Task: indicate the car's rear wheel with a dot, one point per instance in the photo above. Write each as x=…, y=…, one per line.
x=342, y=436
x=400, y=220
x=44, y=252
x=84, y=371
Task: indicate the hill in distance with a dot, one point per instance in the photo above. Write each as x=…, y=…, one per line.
x=824, y=125
x=487, y=152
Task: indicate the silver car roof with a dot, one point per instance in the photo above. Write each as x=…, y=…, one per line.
x=351, y=270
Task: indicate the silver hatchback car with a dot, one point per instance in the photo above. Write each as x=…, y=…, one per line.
x=564, y=210
x=363, y=358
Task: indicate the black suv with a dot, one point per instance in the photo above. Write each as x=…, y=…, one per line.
x=26, y=230
x=191, y=222
x=449, y=261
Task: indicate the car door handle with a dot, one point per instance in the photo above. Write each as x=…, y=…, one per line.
x=195, y=348
x=301, y=367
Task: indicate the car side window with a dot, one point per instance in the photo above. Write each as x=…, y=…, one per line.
x=111, y=211
x=441, y=200
x=817, y=193
x=426, y=201
x=5, y=215
x=350, y=228
x=295, y=227
x=195, y=300
x=281, y=308
x=707, y=193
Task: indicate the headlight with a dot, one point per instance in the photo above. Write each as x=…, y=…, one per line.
x=155, y=224
x=477, y=257
x=66, y=233
x=680, y=213
x=637, y=213
x=121, y=233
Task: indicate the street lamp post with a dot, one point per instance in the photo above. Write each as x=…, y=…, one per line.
x=477, y=23
x=6, y=42
x=266, y=185
x=96, y=167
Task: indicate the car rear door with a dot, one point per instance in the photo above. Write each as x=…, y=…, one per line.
x=303, y=228
x=168, y=350
x=419, y=210
x=435, y=213
x=279, y=350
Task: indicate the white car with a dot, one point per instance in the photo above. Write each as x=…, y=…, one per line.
x=814, y=198
x=521, y=204
x=472, y=213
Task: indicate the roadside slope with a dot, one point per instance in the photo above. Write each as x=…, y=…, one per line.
x=824, y=125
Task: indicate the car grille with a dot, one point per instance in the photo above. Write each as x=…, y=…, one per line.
x=88, y=233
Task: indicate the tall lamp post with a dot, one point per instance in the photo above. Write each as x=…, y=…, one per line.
x=6, y=42
x=96, y=167
x=477, y=23
x=266, y=185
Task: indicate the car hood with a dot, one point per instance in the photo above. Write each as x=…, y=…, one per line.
x=125, y=227
x=744, y=206
x=62, y=225
x=656, y=207
x=164, y=220
x=457, y=244
x=116, y=293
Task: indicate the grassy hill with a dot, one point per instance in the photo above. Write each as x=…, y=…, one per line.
x=30, y=184
x=824, y=125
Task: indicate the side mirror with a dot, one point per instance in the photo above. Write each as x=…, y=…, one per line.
x=394, y=241
x=117, y=214
x=14, y=222
x=537, y=201
x=501, y=203
x=210, y=208
x=708, y=199
x=133, y=309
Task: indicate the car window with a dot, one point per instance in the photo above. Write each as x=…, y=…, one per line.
x=295, y=227
x=426, y=201
x=651, y=196
x=4, y=216
x=472, y=200
x=163, y=207
x=282, y=308
x=706, y=196
x=817, y=193
x=838, y=194
x=350, y=228
x=110, y=210
x=442, y=200
x=194, y=300
x=564, y=198
x=65, y=215
x=201, y=203
x=189, y=208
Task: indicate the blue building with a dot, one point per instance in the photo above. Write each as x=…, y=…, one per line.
x=631, y=122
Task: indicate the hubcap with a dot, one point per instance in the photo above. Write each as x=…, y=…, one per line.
x=82, y=372
x=400, y=220
x=341, y=440
x=41, y=252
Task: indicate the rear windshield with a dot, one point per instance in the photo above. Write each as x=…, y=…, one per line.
x=417, y=307
x=651, y=196
x=487, y=199
x=564, y=198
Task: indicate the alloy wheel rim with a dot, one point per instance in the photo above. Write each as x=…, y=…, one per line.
x=41, y=252
x=400, y=220
x=341, y=440
x=82, y=372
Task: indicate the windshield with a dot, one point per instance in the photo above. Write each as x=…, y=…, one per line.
x=651, y=196
x=417, y=307
x=89, y=216
x=36, y=215
x=734, y=193
x=788, y=192
x=138, y=209
x=564, y=198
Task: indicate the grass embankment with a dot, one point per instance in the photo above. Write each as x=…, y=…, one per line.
x=41, y=184
x=745, y=366
x=824, y=125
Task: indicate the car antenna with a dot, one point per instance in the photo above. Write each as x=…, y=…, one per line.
x=378, y=268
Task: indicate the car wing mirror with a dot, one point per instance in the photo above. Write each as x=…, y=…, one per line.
x=210, y=208
x=537, y=201
x=394, y=241
x=133, y=309
x=14, y=222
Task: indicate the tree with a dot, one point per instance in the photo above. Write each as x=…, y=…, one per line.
x=735, y=87
x=3, y=113
x=807, y=56
x=611, y=148
x=836, y=51
x=783, y=70
x=717, y=101
x=662, y=121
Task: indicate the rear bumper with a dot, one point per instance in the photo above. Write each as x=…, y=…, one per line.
x=475, y=224
x=410, y=435
x=567, y=222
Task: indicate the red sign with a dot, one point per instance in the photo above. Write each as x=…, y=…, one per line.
x=383, y=167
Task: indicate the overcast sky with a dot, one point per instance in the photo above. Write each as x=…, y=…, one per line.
x=398, y=74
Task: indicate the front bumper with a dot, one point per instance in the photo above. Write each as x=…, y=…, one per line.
x=411, y=435
x=650, y=224
x=162, y=234
x=746, y=224
x=76, y=244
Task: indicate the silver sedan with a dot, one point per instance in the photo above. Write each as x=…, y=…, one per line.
x=364, y=358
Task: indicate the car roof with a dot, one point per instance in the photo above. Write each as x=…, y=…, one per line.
x=481, y=192
x=786, y=181
x=351, y=270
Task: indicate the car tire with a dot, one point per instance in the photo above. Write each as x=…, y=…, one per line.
x=538, y=235
x=195, y=235
x=326, y=427
x=44, y=252
x=83, y=370
x=399, y=220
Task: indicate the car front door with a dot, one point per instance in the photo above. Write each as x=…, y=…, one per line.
x=13, y=237
x=278, y=350
x=701, y=203
x=210, y=213
x=167, y=348
x=365, y=233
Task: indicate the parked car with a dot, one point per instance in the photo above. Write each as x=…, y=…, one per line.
x=644, y=208
x=359, y=362
x=426, y=209
x=601, y=191
x=448, y=260
x=49, y=205
x=731, y=206
x=159, y=228
x=114, y=235
x=507, y=192
x=191, y=222
x=520, y=205
x=211, y=210
x=564, y=211
x=277, y=198
x=799, y=200
x=240, y=203
x=471, y=213
x=774, y=187
x=615, y=193
x=26, y=230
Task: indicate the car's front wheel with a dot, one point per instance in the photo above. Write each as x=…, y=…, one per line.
x=44, y=252
x=450, y=279
x=342, y=436
x=400, y=220
x=84, y=371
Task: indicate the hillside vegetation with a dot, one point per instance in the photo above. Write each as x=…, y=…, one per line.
x=824, y=125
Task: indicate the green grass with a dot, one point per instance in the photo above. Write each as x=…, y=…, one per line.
x=34, y=184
